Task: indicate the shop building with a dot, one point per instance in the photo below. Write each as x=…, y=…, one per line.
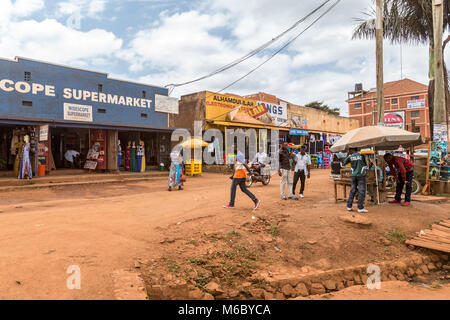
x=296, y=124
x=405, y=106
x=224, y=112
x=66, y=109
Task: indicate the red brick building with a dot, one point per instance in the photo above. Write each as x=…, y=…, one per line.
x=406, y=106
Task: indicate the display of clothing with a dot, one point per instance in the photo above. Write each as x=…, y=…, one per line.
x=25, y=170
x=18, y=152
x=133, y=159
x=128, y=158
x=140, y=152
x=119, y=155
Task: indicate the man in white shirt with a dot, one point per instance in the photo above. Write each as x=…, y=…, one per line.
x=302, y=170
x=260, y=158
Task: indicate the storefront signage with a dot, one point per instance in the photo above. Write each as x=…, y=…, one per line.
x=395, y=119
x=43, y=133
x=217, y=106
x=279, y=112
x=70, y=93
x=77, y=112
x=415, y=104
x=298, y=132
x=298, y=121
x=439, y=162
x=166, y=104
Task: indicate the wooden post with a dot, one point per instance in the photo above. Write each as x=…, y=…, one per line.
x=427, y=188
x=439, y=115
x=379, y=57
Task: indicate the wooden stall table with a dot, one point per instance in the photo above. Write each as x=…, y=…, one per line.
x=345, y=180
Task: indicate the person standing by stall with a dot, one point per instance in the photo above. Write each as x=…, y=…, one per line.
x=302, y=170
x=403, y=171
x=357, y=162
x=284, y=171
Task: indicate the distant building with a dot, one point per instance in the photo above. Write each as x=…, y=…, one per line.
x=406, y=106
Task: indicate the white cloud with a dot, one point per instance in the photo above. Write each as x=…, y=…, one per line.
x=90, y=8
x=49, y=39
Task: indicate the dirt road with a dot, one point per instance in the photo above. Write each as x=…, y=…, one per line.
x=103, y=228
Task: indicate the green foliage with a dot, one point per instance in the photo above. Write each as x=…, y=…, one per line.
x=319, y=105
x=396, y=234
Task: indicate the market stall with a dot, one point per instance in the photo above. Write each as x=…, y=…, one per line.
x=378, y=139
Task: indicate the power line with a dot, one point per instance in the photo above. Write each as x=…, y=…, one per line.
x=250, y=54
x=281, y=49
x=274, y=54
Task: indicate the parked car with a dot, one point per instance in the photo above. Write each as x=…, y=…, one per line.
x=421, y=153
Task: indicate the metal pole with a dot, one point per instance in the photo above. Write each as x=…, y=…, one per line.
x=379, y=57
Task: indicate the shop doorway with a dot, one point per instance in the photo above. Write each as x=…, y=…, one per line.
x=69, y=143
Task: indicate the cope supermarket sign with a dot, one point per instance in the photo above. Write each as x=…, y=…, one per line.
x=24, y=87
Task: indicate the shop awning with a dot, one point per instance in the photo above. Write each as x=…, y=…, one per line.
x=248, y=125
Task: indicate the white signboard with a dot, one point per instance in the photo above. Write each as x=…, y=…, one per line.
x=43, y=133
x=166, y=104
x=77, y=112
x=415, y=104
x=278, y=112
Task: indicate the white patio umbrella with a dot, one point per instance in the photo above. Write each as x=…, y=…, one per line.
x=378, y=137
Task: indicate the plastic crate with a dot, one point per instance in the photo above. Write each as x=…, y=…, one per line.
x=194, y=167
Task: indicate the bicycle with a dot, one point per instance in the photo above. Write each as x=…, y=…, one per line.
x=391, y=185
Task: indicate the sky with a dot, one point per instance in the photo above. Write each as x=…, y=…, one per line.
x=162, y=42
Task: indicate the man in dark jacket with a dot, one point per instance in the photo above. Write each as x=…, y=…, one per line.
x=357, y=162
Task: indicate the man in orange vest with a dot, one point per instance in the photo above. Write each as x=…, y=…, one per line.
x=238, y=177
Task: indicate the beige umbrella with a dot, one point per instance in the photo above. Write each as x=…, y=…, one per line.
x=379, y=137
x=194, y=143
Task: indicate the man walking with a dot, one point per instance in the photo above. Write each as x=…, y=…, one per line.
x=238, y=177
x=403, y=171
x=284, y=171
x=357, y=162
x=302, y=170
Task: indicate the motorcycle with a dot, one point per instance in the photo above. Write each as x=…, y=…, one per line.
x=258, y=173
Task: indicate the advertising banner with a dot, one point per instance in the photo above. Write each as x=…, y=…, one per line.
x=279, y=112
x=439, y=169
x=166, y=104
x=43, y=133
x=298, y=121
x=415, y=104
x=218, y=105
x=394, y=119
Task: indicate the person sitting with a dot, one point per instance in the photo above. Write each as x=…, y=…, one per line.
x=72, y=158
x=403, y=171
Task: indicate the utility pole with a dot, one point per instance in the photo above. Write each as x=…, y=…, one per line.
x=379, y=53
x=439, y=115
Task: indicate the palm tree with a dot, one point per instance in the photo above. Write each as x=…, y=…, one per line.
x=409, y=21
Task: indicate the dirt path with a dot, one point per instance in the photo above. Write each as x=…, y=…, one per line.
x=104, y=228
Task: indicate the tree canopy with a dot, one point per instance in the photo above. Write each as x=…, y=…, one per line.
x=321, y=106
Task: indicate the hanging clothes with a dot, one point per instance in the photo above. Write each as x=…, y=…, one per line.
x=128, y=158
x=139, y=155
x=133, y=159
x=119, y=155
x=17, y=161
x=25, y=164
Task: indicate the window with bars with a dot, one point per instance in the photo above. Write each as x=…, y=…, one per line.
x=27, y=76
x=415, y=114
x=394, y=101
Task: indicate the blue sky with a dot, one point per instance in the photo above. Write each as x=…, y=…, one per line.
x=171, y=41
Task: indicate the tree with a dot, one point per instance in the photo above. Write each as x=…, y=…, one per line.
x=321, y=106
x=409, y=21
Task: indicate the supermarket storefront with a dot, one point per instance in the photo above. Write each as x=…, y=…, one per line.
x=59, y=111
